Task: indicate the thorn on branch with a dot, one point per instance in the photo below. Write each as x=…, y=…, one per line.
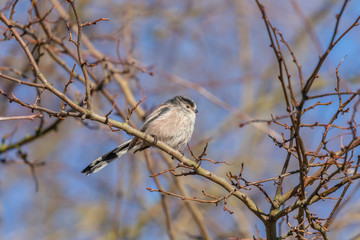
x=70, y=35
x=112, y=108
x=130, y=111
x=67, y=85
x=112, y=129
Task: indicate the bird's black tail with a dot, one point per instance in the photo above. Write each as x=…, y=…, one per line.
x=105, y=159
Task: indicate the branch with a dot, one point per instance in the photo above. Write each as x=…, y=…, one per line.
x=82, y=63
x=29, y=117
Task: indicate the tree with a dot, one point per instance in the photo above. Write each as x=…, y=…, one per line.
x=276, y=143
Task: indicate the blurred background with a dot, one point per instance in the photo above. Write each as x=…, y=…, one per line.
x=217, y=53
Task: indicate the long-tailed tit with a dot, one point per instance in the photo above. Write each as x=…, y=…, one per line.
x=171, y=123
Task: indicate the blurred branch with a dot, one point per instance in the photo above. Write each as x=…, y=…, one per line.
x=308, y=26
x=164, y=203
x=32, y=167
x=39, y=133
x=29, y=117
x=94, y=22
x=194, y=211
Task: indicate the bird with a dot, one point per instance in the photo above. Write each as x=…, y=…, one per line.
x=171, y=123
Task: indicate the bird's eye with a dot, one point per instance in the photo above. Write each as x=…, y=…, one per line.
x=188, y=106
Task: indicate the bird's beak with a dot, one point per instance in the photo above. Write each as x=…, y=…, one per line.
x=196, y=111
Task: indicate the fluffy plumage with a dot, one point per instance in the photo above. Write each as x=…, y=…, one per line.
x=172, y=123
